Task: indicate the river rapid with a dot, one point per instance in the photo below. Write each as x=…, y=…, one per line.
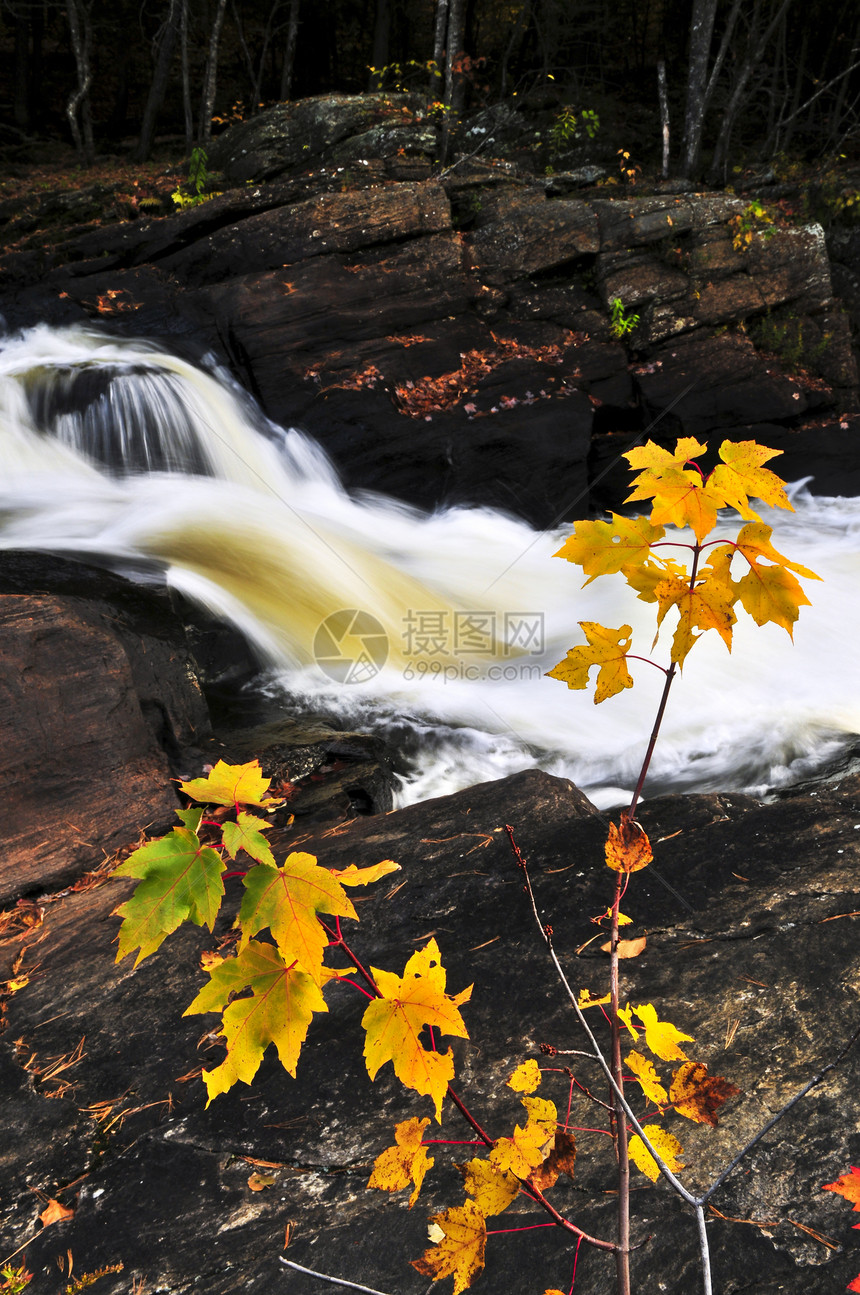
x=433, y=630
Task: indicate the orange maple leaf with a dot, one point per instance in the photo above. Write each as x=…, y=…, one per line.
x=697, y=1094
x=54, y=1212
x=848, y=1186
x=627, y=846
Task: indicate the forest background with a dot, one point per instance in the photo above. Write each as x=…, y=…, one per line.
x=746, y=81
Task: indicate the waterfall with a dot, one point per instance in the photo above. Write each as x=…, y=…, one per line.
x=434, y=629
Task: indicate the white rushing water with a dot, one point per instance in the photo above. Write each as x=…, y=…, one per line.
x=443, y=624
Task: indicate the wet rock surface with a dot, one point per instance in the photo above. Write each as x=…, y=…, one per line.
x=447, y=334
x=752, y=951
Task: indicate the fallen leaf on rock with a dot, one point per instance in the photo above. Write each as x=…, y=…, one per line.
x=54, y=1212
x=627, y=948
x=258, y=1182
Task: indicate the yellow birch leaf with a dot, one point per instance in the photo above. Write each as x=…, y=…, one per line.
x=666, y=1146
x=698, y=1095
x=627, y=847
x=586, y=1000
x=353, y=876
x=741, y=475
x=605, y=548
x=493, y=1189
x=526, y=1077
x=406, y=1162
x=661, y=1037
x=648, y=1079
x=282, y=1003
x=461, y=1253
x=394, y=1022
x=607, y=648
x=287, y=901
x=232, y=784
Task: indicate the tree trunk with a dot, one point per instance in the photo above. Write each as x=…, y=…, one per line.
x=381, y=40
x=166, y=45
x=437, y=76
x=79, y=100
x=22, y=94
x=453, y=78
x=701, y=33
x=207, y=106
x=663, y=95
x=186, y=81
x=290, y=51
x=738, y=96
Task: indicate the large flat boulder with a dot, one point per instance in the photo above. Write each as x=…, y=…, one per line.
x=750, y=950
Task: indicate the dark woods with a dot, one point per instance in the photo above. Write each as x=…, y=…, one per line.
x=745, y=80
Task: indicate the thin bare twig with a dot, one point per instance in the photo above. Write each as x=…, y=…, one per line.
x=335, y=1281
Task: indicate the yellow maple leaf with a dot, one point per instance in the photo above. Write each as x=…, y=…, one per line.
x=698, y=1095
x=647, y=1076
x=586, y=998
x=661, y=1037
x=625, y=1016
x=741, y=475
x=493, y=1188
x=526, y=1077
x=707, y=605
x=607, y=648
x=404, y=1163
x=645, y=579
x=523, y=1151
x=394, y=1021
x=279, y=1010
x=232, y=784
x=605, y=548
x=770, y=593
x=666, y=1146
x=460, y=1254
x=681, y=495
x=287, y=901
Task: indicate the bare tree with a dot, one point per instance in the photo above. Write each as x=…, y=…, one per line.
x=701, y=84
x=255, y=73
x=165, y=44
x=186, y=81
x=453, y=76
x=290, y=50
x=80, y=28
x=207, y=105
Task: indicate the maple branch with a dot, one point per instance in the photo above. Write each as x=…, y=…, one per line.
x=337, y=941
x=470, y=1119
x=620, y=1131
x=631, y=656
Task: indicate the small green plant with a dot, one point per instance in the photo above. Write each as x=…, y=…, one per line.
x=785, y=336
x=754, y=220
x=621, y=324
x=400, y=78
x=198, y=181
x=569, y=127
x=15, y=1280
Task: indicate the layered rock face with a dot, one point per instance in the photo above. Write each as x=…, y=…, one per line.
x=448, y=334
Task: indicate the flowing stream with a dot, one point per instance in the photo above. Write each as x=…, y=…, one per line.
x=435, y=629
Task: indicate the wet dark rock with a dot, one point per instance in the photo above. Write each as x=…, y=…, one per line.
x=750, y=951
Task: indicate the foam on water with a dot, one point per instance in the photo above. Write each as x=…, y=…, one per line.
x=115, y=447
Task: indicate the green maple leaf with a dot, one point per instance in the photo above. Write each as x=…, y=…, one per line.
x=247, y=834
x=279, y=1010
x=287, y=901
x=180, y=881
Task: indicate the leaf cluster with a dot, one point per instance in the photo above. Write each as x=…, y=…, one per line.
x=269, y=991
x=719, y=575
